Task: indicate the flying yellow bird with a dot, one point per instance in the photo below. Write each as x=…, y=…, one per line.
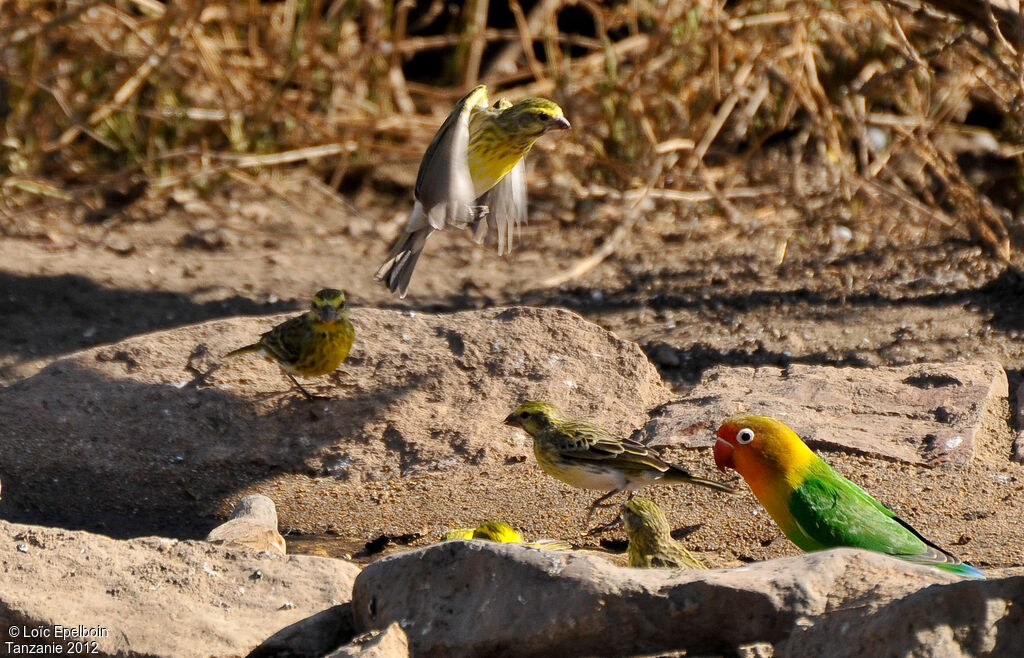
x=472, y=170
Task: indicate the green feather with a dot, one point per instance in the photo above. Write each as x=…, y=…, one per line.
x=830, y=511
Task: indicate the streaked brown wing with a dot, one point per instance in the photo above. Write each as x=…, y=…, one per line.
x=587, y=441
x=284, y=342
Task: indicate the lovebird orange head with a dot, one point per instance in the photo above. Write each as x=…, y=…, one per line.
x=762, y=450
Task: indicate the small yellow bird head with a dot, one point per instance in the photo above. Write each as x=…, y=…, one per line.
x=642, y=515
x=329, y=305
x=534, y=416
x=532, y=117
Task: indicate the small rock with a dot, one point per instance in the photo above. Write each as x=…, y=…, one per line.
x=252, y=526
x=388, y=643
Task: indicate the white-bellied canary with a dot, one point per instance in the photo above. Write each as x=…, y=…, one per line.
x=588, y=456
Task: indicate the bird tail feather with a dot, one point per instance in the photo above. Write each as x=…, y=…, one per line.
x=396, y=272
x=962, y=569
x=677, y=474
x=248, y=349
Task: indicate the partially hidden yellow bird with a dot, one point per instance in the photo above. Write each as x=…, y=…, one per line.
x=650, y=538
x=312, y=344
x=472, y=170
x=588, y=456
x=501, y=532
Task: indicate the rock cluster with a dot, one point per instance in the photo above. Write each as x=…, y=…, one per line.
x=155, y=429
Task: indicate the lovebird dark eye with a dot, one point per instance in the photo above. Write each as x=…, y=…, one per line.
x=745, y=435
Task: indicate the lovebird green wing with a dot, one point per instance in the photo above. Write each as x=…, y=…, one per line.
x=831, y=511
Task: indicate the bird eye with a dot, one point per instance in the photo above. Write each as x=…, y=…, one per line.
x=745, y=435
x=524, y=414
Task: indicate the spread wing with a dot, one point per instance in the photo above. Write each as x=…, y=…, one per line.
x=506, y=204
x=444, y=185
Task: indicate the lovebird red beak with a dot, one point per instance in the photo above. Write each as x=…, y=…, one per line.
x=723, y=454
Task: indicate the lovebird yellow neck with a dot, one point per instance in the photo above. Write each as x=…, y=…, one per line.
x=775, y=471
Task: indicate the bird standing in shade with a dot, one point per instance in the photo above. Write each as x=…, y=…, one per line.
x=314, y=343
x=650, y=539
x=813, y=505
x=472, y=170
x=588, y=456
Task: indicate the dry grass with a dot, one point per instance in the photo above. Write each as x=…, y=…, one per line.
x=816, y=103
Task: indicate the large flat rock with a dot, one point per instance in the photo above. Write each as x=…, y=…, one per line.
x=158, y=428
x=484, y=599
x=154, y=596
x=971, y=618
x=924, y=414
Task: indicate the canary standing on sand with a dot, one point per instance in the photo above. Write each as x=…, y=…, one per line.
x=650, y=539
x=814, y=506
x=314, y=343
x=587, y=456
x=472, y=171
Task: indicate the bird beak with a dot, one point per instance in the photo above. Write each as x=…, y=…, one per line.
x=328, y=314
x=723, y=455
x=561, y=123
x=511, y=421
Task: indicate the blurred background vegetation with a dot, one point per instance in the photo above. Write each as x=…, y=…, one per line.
x=917, y=107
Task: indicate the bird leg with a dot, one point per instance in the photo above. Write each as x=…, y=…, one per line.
x=596, y=530
x=599, y=503
x=309, y=396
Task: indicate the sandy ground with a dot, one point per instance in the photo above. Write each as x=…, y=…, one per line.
x=784, y=285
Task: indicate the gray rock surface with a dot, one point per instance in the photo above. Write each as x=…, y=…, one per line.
x=388, y=643
x=480, y=598
x=970, y=618
x=312, y=637
x=158, y=597
x=920, y=414
x=160, y=426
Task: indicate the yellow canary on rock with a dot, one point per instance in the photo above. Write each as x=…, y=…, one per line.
x=314, y=343
x=472, y=171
